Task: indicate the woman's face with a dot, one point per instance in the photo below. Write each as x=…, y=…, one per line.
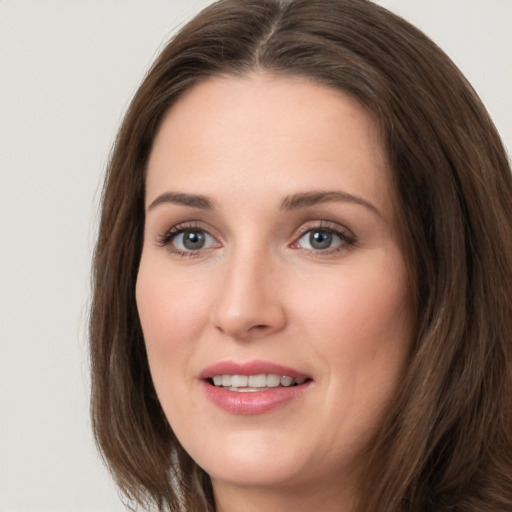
x=270, y=254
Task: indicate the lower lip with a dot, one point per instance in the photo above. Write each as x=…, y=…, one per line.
x=254, y=402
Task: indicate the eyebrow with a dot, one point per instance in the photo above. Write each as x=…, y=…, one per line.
x=293, y=202
x=191, y=200
x=306, y=199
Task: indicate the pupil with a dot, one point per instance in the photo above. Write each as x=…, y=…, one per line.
x=193, y=240
x=320, y=239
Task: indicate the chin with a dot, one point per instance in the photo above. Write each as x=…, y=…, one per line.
x=255, y=462
x=255, y=473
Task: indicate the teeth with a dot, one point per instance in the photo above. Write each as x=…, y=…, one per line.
x=286, y=381
x=255, y=382
x=273, y=381
x=238, y=381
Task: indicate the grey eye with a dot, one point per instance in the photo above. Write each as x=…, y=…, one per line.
x=192, y=240
x=320, y=239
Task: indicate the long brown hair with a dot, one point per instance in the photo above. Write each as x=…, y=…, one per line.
x=446, y=444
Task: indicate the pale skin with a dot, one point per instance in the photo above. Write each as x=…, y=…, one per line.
x=285, y=185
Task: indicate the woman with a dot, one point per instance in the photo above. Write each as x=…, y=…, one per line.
x=302, y=278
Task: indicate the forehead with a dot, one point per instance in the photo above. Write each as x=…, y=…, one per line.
x=284, y=133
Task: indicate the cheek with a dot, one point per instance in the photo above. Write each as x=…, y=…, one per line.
x=363, y=326
x=361, y=307
x=173, y=314
x=169, y=307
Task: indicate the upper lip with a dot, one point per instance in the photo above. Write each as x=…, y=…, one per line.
x=255, y=367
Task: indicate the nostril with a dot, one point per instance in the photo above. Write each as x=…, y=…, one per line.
x=259, y=327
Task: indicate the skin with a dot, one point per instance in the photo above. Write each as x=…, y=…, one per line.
x=259, y=289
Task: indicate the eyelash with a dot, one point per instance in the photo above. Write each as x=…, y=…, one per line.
x=346, y=238
x=166, y=239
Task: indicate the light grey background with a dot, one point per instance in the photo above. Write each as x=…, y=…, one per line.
x=68, y=69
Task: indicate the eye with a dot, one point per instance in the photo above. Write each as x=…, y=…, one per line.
x=192, y=240
x=184, y=240
x=324, y=240
x=319, y=240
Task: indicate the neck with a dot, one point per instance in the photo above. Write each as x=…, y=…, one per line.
x=334, y=498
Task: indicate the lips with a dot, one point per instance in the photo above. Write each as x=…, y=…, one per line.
x=253, y=387
x=248, y=368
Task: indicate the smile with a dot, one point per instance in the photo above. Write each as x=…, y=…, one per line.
x=252, y=387
x=252, y=383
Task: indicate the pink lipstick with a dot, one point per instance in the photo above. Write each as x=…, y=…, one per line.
x=252, y=387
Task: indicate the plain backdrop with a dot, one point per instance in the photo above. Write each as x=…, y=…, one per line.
x=68, y=69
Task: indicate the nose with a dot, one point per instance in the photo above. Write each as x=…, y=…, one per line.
x=250, y=303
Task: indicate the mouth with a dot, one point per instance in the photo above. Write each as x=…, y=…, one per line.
x=253, y=387
x=255, y=383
